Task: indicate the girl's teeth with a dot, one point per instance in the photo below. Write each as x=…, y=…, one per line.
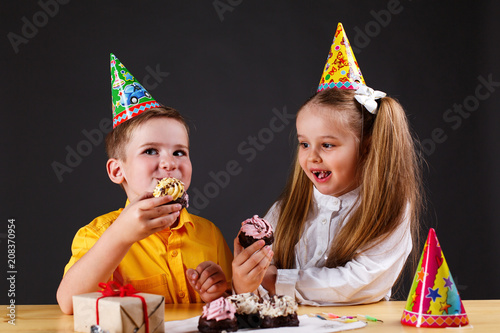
x=322, y=174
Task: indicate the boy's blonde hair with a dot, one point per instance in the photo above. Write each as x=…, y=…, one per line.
x=389, y=176
x=118, y=138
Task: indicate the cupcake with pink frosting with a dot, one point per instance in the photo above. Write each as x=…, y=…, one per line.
x=254, y=229
x=218, y=316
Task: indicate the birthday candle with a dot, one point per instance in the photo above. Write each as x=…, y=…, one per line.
x=370, y=318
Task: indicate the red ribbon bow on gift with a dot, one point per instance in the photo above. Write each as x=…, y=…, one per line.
x=114, y=289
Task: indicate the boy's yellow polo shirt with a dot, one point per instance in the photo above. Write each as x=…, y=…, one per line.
x=157, y=264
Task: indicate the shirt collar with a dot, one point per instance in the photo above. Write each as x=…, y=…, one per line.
x=184, y=218
x=334, y=203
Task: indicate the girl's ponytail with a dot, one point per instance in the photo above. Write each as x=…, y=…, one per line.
x=390, y=179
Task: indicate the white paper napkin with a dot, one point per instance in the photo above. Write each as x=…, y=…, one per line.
x=307, y=325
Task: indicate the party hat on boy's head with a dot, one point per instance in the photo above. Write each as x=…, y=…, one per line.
x=341, y=69
x=433, y=300
x=128, y=96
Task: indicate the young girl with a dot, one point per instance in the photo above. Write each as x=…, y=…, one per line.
x=345, y=221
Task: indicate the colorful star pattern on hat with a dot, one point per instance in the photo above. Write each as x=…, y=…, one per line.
x=433, y=300
x=341, y=69
x=129, y=97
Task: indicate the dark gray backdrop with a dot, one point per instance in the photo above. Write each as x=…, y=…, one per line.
x=238, y=70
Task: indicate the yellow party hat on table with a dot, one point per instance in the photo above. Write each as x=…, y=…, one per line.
x=433, y=300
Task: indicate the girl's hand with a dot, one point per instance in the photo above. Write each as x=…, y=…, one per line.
x=144, y=216
x=250, y=265
x=269, y=281
x=208, y=279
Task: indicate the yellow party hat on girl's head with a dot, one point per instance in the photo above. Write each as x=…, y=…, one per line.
x=341, y=69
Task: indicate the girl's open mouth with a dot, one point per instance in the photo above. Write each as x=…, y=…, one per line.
x=321, y=175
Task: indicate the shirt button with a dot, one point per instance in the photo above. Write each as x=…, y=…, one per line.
x=323, y=221
x=181, y=294
x=174, y=253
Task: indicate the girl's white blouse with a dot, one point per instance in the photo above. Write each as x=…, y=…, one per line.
x=366, y=278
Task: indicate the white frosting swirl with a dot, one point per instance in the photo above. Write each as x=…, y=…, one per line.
x=246, y=303
x=279, y=306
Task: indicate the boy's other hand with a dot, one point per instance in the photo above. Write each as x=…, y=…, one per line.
x=208, y=280
x=250, y=265
x=144, y=216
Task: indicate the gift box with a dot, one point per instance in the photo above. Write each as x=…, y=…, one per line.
x=119, y=314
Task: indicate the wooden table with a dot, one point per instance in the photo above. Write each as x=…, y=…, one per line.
x=484, y=316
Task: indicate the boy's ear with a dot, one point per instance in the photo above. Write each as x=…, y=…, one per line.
x=115, y=170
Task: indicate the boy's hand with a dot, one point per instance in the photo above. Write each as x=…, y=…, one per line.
x=250, y=265
x=144, y=216
x=208, y=279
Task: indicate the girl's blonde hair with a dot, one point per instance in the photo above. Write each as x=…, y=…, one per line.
x=389, y=175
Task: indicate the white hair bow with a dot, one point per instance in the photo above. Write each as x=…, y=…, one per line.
x=366, y=96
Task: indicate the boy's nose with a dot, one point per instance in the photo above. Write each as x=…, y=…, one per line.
x=168, y=163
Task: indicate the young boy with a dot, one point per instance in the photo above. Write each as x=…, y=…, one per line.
x=149, y=243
